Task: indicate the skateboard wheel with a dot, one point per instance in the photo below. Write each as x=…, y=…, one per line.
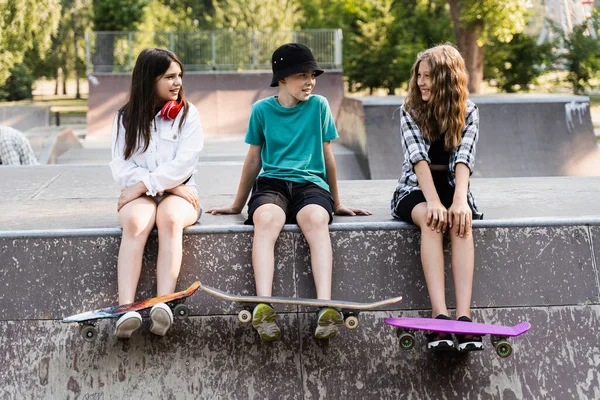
x=407, y=341
x=351, y=322
x=89, y=333
x=181, y=311
x=245, y=316
x=503, y=349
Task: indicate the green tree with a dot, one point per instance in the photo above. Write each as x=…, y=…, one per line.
x=19, y=84
x=67, y=52
x=517, y=63
x=24, y=23
x=581, y=55
x=260, y=15
x=381, y=37
x=161, y=17
x=476, y=21
x=113, y=16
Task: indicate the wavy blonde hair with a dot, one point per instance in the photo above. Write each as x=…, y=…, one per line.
x=444, y=113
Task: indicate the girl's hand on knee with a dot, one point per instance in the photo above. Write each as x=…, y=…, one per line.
x=437, y=216
x=460, y=216
x=343, y=210
x=187, y=193
x=127, y=196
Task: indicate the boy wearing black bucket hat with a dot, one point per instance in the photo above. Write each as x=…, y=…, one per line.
x=289, y=137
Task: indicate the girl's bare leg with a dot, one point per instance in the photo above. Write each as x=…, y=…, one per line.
x=463, y=264
x=173, y=214
x=432, y=259
x=137, y=219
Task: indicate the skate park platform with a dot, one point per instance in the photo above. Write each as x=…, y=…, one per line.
x=536, y=258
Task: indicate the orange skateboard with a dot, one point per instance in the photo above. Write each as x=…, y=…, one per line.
x=87, y=320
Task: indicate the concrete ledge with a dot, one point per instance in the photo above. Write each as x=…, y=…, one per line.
x=554, y=266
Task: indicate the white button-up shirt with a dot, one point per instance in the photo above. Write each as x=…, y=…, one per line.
x=170, y=159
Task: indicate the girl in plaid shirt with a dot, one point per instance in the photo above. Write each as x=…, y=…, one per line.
x=440, y=127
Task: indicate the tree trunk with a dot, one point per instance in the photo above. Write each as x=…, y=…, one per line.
x=58, y=72
x=77, y=93
x=64, y=82
x=466, y=38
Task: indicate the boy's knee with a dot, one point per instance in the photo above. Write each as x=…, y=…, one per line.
x=313, y=217
x=266, y=217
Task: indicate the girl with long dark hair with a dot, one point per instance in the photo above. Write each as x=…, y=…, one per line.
x=156, y=141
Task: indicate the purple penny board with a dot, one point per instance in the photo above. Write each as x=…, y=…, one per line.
x=451, y=326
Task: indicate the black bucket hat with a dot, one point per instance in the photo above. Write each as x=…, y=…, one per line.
x=290, y=59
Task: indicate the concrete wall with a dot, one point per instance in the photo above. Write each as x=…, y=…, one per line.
x=24, y=117
x=224, y=99
x=544, y=274
x=520, y=135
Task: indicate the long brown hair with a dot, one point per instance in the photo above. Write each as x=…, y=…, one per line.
x=140, y=109
x=444, y=113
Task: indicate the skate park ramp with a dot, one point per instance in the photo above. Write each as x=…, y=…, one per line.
x=536, y=256
x=520, y=135
x=224, y=99
x=23, y=117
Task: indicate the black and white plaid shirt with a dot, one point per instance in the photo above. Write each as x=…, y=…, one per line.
x=416, y=148
x=15, y=148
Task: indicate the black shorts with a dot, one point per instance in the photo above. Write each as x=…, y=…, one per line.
x=444, y=190
x=290, y=196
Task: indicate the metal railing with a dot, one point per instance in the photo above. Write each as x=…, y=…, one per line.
x=116, y=52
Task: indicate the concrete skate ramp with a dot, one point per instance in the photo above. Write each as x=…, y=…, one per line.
x=24, y=117
x=520, y=135
x=536, y=264
x=224, y=99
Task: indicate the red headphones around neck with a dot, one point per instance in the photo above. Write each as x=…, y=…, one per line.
x=170, y=110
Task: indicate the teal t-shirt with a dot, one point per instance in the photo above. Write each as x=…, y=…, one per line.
x=292, y=138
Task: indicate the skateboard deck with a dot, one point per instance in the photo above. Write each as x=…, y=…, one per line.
x=350, y=309
x=498, y=333
x=87, y=319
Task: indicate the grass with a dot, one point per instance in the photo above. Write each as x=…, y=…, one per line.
x=65, y=104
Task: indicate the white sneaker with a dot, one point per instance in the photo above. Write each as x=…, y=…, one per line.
x=162, y=318
x=127, y=324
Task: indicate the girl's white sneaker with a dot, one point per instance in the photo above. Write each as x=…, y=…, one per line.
x=127, y=324
x=162, y=318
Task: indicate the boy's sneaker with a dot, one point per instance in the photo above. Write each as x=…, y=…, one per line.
x=439, y=341
x=162, y=318
x=469, y=342
x=263, y=320
x=329, y=321
x=127, y=324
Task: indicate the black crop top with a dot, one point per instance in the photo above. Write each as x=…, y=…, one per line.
x=437, y=154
